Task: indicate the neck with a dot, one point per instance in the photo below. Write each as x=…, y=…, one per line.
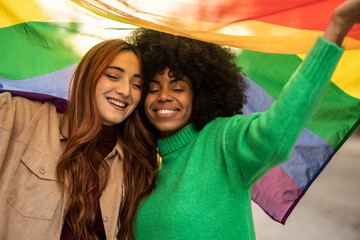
x=165, y=134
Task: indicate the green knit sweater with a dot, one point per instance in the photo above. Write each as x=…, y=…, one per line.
x=204, y=184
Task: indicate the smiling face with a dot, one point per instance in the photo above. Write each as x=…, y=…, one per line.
x=168, y=104
x=118, y=90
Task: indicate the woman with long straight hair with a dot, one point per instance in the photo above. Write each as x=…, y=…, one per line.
x=80, y=174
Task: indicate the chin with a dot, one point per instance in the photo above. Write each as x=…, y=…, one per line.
x=167, y=129
x=164, y=128
x=114, y=121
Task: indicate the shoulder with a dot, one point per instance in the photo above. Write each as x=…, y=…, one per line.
x=220, y=126
x=9, y=103
x=228, y=128
x=18, y=113
x=222, y=123
x=20, y=104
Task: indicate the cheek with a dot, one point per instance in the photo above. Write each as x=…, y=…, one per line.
x=147, y=104
x=97, y=94
x=189, y=104
x=136, y=97
x=102, y=86
x=188, y=112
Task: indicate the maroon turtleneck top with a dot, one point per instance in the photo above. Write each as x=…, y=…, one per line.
x=104, y=146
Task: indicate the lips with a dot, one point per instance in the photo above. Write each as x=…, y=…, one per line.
x=166, y=112
x=117, y=102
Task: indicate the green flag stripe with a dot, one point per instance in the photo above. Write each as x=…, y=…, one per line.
x=336, y=114
x=35, y=48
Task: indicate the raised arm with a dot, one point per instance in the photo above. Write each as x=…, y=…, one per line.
x=266, y=139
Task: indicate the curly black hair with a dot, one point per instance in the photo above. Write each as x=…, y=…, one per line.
x=219, y=88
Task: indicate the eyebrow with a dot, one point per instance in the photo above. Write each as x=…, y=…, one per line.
x=122, y=70
x=171, y=81
x=117, y=68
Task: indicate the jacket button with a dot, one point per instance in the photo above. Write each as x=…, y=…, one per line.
x=42, y=170
x=106, y=219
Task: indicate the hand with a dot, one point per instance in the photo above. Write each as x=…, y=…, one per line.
x=343, y=18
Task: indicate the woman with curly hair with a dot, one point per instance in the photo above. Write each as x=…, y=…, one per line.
x=211, y=155
x=80, y=174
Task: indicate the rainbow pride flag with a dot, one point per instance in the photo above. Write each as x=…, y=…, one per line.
x=42, y=41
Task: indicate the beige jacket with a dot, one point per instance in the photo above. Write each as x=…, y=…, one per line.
x=32, y=201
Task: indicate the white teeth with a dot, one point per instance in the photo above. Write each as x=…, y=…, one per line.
x=166, y=111
x=116, y=102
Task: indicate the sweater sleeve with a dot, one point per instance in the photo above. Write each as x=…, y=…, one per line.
x=263, y=140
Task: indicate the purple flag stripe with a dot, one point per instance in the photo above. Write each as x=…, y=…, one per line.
x=282, y=194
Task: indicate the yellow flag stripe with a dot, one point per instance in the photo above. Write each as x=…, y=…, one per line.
x=347, y=75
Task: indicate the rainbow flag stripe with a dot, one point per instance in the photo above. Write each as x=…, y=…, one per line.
x=41, y=43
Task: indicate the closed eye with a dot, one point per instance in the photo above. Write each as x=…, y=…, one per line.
x=137, y=86
x=111, y=77
x=153, y=91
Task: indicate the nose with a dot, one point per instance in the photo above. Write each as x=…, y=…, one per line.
x=123, y=88
x=165, y=95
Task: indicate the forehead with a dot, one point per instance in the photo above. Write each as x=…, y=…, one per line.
x=167, y=76
x=126, y=59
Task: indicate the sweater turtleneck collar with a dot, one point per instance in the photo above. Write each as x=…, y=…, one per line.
x=176, y=141
x=107, y=140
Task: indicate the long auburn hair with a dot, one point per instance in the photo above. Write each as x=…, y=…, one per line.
x=82, y=168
